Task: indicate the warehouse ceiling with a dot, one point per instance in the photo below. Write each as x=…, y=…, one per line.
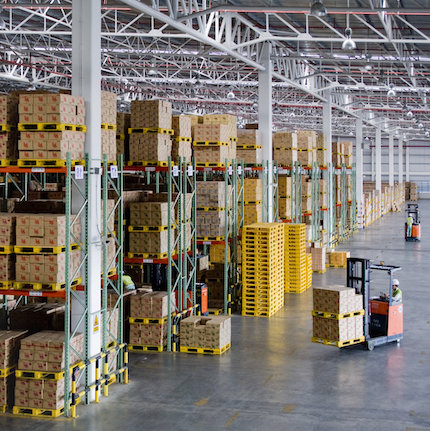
x=205, y=57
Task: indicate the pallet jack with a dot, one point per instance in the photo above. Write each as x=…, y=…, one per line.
x=383, y=319
x=414, y=231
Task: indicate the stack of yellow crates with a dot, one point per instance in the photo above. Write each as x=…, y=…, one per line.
x=296, y=263
x=308, y=270
x=263, y=269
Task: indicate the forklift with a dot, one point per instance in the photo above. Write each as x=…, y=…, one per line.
x=383, y=318
x=413, y=223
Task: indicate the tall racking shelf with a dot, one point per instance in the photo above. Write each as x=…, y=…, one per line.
x=75, y=287
x=179, y=179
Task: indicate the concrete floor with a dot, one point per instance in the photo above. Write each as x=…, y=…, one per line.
x=274, y=378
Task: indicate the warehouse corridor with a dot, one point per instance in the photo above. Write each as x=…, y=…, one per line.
x=274, y=378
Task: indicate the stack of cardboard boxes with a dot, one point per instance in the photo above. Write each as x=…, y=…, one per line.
x=51, y=108
x=321, y=157
x=9, y=117
x=153, y=306
x=214, y=139
x=211, y=200
x=155, y=115
x=182, y=145
x=209, y=333
x=306, y=144
x=108, y=132
x=285, y=148
x=411, y=191
x=214, y=278
x=122, y=137
x=45, y=351
x=337, y=259
x=330, y=302
x=7, y=241
x=318, y=257
x=46, y=231
x=253, y=197
x=306, y=195
x=263, y=269
x=296, y=264
x=284, y=199
x=249, y=147
x=9, y=350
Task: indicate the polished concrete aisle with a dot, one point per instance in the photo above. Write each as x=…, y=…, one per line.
x=274, y=378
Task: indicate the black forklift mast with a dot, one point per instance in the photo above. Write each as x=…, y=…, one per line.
x=412, y=209
x=358, y=277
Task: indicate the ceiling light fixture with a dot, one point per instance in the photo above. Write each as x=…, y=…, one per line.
x=348, y=44
x=391, y=92
x=230, y=95
x=427, y=133
x=318, y=9
x=410, y=114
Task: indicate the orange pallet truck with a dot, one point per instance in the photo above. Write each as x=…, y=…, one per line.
x=413, y=223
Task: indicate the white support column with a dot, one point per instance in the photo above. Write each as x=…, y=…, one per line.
x=359, y=169
x=391, y=160
x=265, y=119
x=407, y=162
x=328, y=136
x=372, y=161
x=400, y=158
x=86, y=81
x=378, y=159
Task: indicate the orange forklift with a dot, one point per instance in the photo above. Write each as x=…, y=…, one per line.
x=383, y=316
x=413, y=223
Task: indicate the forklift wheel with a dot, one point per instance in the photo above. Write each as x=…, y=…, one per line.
x=370, y=346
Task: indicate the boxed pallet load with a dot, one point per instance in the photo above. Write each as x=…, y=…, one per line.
x=225, y=119
x=318, y=257
x=284, y=207
x=337, y=300
x=150, y=147
x=150, y=214
x=285, y=140
x=217, y=253
x=306, y=187
x=305, y=157
x=306, y=204
x=181, y=124
x=249, y=146
x=211, y=194
x=338, y=258
x=212, y=155
x=183, y=150
x=45, y=352
x=211, y=133
x=38, y=317
x=249, y=137
x=56, y=108
x=108, y=138
x=151, y=114
x=108, y=108
x=9, y=109
x=151, y=243
x=9, y=352
x=210, y=223
x=51, y=145
x=306, y=139
x=249, y=156
x=212, y=332
x=284, y=186
x=253, y=190
x=8, y=145
x=285, y=156
x=253, y=213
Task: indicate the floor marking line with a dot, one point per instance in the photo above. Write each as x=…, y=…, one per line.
x=231, y=420
x=201, y=402
x=268, y=380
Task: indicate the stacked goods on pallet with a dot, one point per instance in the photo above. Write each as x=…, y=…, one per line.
x=306, y=144
x=306, y=195
x=337, y=315
x=217, y=253
x=122, y=138
x=210, y=200
x=323, y=194
x=318, y=257
x=40, y=248
x=337, y=259
x=51, y=108
x=38, y=317
x=214, y=279
x=43, y=354
x=338, y=156
x=7, y=241
x=320, y=150
x=348, y=153
x=214, y=141
x=296, y=264
x=9, y=350
x=182, y=146
x=211, y=335
x=108, y=132
x=252, y=196
x=154, y=117
x=8, y=119
x=149, y=228
x=284, y=199
x=249, y=147
x=411, y=191
x=285, y=148
x=263, y=269
x=148, y=320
